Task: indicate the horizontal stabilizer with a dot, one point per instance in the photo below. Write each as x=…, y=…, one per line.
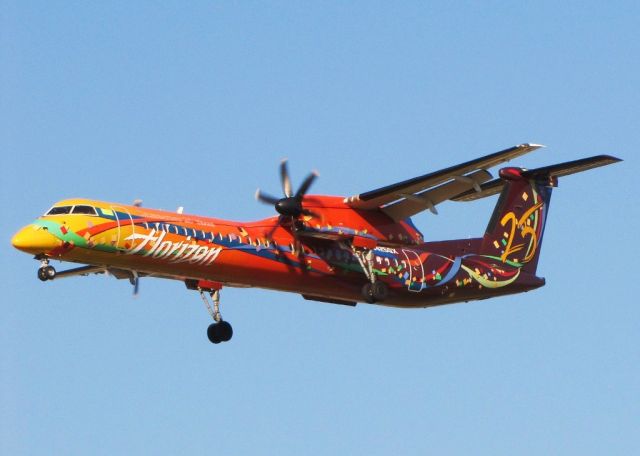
x=571, y=167
x=546, y=172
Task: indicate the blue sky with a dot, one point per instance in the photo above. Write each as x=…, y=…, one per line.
x=194, y=105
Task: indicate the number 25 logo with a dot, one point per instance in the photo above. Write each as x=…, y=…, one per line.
x=527, y=231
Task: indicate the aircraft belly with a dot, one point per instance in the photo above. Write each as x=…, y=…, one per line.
x=419, y=280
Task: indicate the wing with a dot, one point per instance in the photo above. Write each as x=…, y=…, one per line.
x=411, y=204
x=403, y=199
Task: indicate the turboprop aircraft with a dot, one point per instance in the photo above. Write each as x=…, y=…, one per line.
x=362, y=248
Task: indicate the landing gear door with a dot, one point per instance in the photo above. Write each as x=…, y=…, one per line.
x=125, y=227
x=416, y=270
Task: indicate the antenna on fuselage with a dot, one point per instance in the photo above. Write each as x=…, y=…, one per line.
x=137, y=202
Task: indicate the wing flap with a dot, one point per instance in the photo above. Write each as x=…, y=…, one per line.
x=487, y=189
x=376, y=198
x=428, y=199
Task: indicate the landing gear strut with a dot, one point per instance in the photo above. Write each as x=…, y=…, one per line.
x=46, y=272
x=220, y=330
x=374, y=291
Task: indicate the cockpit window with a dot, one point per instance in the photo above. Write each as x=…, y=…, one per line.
x=59, y=210
x=81, y=209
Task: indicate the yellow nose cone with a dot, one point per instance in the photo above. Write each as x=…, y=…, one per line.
x=34, y=239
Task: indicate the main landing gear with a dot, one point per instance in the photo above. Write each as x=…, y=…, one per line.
x=220, y=330
x=374, y=291
x=46, y=272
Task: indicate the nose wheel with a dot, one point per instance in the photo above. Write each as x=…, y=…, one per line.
x=220, y=330
x=46, y=272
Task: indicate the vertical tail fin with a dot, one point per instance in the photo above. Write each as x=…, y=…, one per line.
x=515, y=230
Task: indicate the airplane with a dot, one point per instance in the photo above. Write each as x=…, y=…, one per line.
x=334, y=249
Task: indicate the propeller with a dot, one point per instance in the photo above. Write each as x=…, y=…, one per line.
x=136, y=286
x=135, y=281
x=291, y=204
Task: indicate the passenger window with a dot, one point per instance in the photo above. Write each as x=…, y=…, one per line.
x=81, y=209
x=59, y=210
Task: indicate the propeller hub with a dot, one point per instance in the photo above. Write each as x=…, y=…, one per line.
x=291, y=207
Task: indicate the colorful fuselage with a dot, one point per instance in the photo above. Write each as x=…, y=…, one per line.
x=272, y=254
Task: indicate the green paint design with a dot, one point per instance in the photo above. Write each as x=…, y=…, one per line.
x=54, y=229
x=489, y=283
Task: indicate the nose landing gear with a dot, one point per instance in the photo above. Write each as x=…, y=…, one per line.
x=220, y=330
x=46, y=272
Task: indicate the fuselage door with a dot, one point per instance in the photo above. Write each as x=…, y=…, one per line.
x=416, y=270
x=125, y=227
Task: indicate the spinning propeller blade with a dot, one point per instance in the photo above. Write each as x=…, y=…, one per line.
x=285, y=179
x=291, y=204
x=304, y=188
x=135, y=281
x=136, y=286
x=266, y=198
